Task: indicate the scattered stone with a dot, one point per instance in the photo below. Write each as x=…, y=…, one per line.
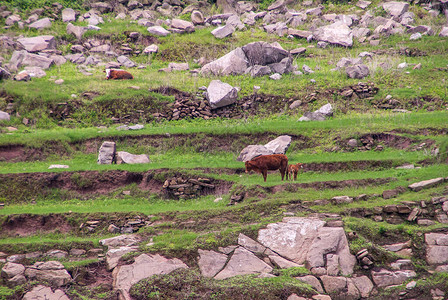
x=58, y=167
x=275, y=76
x=151, y=49
x=41, y=24
x=357, y=71
x=128, y=158
x=221, y=94
x=114, y=255
x=38, y=43
x=121, y=241
x=418, y=186
x=337, y=33
x=158, y=31
x=4, y=116
x=107, y=153
x=68, y=15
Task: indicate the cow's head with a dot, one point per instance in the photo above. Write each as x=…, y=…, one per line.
x=249, y=166
x=299, y=166
x=107, y=73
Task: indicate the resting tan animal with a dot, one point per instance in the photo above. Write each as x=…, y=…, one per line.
x=263, y=163
x=118, y=74
x=293, y=170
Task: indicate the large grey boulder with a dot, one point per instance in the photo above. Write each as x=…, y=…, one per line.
x=258, y=71
x=279, y=145
x=41, y=24
x=337, y=34
x=50, y=271
x=158, y=31
x=43, y=292
x=107, y=153
x=221, y=94
x=262, y=53
x=128, y=158
x=253, y=151
x=211, y=262
x=305, y=240
x=396, y=9
x=243, y=262
x=11, y=269
x=68, y=15
x=24, y=58
x=4, y=116
x=223, y=31
x=383, y=277
x=77, y=31
x=326, y=110
x=38, y=43
x=418, y=186
x=125, y=61
x=144, y=266
x=182, y=25
x=282, y=67
x=357, y=71
x=233, y=63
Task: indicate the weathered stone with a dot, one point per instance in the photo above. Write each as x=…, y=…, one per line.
x=10, y=270
x=125, y=240
x=337, y=33
x=258, y=71
x=38, y=43
x=357, y=71
x=57, y=254
x=35, y=72
x=418, y=186
x=77, y=31
x=41, y=24
x=364, y=285
x=107, y=153
x=313, y=281
x=125, y=61
x=233, y=63
x=425, y=222
x=444, y=31
x=341, y=200
x=243, y=262
x=279, y=145
x=402, y=264
x=221, y=94
x=396, y=9
x=275, y=76
x=114, y=255
x=182, y=25
x=4, y=116
x=24, y=58
x=68, y=15
x=312, y=116
x=211, y=262
x=50, y=271
x=144, y=266
x=158, y=31
x=253, y=151
x=223, y=31
x=383, y=277
x=262, y=53
x=128, y=158
x=42, y=292
x=22, y=76
x=197, y=17
x=151, y=49
x=250, y=244
x=281, y=262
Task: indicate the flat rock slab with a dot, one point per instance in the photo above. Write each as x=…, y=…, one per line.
x=385, y=277
x=243, y=262
x=211, y=262
x=51, y=271
x=418, y=186
x=128, y=158
x=41, y=292
x=121, y=241
x=114, y=255
x=337, y=33
x=145, y=266
x=250, y=244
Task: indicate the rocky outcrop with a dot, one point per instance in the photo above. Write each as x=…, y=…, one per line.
x=305, y=240
x=50, y=271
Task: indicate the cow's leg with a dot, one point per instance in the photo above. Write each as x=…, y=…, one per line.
x=295, y=176
x=282, y=172
x=265, y=174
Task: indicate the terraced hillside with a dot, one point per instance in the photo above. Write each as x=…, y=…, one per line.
x=354, y=91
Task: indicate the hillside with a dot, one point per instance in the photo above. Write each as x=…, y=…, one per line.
x=126, y=127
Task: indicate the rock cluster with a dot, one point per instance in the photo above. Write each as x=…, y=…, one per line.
x=179, y=187
x=277, y=146
x=108, y=154
x=362, y=90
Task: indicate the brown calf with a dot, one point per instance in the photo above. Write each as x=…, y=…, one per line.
x=118, y=74
x=293, y=170
x=262, y=164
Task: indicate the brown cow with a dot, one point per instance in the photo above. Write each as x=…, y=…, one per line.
x=118, y=74
x=293, y=170
x=263, y=163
